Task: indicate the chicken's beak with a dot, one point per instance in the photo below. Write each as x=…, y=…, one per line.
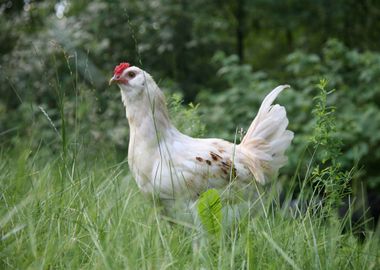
x=112, y=80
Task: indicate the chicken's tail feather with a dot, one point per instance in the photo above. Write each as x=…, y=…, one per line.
x=267, y=139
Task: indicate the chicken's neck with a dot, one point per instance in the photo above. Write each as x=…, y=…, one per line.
x=148, y=116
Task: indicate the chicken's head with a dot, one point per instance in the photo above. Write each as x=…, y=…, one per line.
x=128, y=77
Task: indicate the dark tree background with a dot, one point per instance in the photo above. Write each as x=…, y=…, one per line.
x=57, y=57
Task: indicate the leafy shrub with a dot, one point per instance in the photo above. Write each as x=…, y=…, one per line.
x=355, y=76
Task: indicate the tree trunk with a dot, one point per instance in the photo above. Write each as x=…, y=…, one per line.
x=239, y=29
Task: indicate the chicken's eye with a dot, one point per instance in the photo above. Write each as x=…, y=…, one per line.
x=131, y=74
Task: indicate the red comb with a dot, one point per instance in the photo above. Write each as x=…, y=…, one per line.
x=120, y=68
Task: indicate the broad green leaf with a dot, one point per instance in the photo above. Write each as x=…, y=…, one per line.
x=210, y=211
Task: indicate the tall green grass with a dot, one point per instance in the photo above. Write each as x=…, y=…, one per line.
x=99, y=220
x=76, y=210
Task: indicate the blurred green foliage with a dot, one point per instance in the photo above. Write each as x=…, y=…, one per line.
x=354, y=75
x=56, y=57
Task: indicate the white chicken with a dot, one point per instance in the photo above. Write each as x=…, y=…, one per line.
x=172, y=165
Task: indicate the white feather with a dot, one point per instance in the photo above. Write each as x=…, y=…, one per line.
x=268, y=128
